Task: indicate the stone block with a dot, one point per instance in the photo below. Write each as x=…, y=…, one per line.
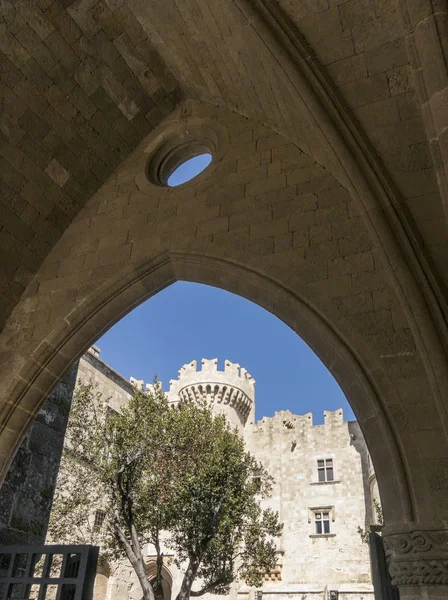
x=130, y=54
x=248, y=175
x=300, y=205
x=213, y=226
x=400, y=80
x=366, y=91
x=368, y=35
x=320, y=233
x=348, y=70
x=356, y=241
x=356, y=304
x=33, y=125
x=334, y=48
x=81, y=12
x=372, y=322
x=352, y=264
x=266, y=185
x=60, y=103
x=321, y=252
x=83, y=103
x=301, y=220
x=333, y=287
x=355, y=12
x=331, y=214
x=317, y=27
x=33, y=43
x=106, y=50
x=268, y=228
x=304, y=174
x=62, y=51
x=262, y=246
x=36, y=18
x=378, y=114
x=10, y=47
x=11, y=176
x=10, y=75
x=283, y=242
x=57, y=172
x=301, y=238
x=67, y=27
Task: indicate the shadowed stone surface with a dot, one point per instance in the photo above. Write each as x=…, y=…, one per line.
x=27, y=493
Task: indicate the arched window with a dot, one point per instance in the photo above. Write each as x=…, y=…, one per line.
x=167, y=578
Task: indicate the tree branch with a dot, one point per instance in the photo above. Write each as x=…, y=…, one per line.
x=122, y=539
x=209, y=587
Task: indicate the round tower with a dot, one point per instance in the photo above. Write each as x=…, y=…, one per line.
x=230, y=392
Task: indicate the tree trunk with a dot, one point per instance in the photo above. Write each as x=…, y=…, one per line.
x=158, y=583
x=140, y=571
x=137, y=561
x=188, y=580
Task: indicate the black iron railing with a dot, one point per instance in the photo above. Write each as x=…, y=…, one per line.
x=47, y=572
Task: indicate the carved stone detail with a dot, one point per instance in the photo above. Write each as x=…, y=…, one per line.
x=418, y=557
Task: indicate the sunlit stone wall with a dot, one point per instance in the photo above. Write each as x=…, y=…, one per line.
x=309, y=565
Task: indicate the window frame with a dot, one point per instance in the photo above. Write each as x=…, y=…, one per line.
x=99, y=516
x=325, y=466
x=322, y=522
x=313, y=513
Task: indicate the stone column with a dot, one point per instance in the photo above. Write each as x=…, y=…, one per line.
x=417, y=555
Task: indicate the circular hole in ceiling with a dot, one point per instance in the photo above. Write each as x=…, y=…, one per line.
x=189, y=169
x=179, y=155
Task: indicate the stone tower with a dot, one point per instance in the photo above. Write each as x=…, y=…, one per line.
x=230, y=392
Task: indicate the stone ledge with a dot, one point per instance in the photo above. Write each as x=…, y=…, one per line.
x=322, y=535
x=325, y=482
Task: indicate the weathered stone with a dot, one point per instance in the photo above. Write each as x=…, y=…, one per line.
x=27, y=494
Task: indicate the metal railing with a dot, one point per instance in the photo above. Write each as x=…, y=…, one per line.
x=47, y=572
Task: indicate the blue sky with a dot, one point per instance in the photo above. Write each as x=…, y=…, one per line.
x=189, y=169
x=188, y=321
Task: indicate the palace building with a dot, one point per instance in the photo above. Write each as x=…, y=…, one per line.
x=323, y=489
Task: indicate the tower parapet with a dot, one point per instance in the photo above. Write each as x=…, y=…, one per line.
x=230, y=392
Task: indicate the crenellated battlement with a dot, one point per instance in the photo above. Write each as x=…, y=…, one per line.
x=141, y=386
x=210, y=368
x=285, y=420
x=231, y=391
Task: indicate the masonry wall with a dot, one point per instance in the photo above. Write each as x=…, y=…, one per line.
x=114, y=388
x=289, y=446
x=27, y=494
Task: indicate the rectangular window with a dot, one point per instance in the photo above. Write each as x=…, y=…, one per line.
x=322, y=522
x=100, y=515
x=325, y=469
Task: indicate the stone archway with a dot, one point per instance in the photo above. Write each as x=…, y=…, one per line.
x=167, y=578
x=283, y=233
x=84, y=325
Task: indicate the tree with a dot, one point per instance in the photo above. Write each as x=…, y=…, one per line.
x=154, y=472
x=364, y=533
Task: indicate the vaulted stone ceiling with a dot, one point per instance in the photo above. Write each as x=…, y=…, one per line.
x=83, y=82
x=81, y=86
x=325, y=204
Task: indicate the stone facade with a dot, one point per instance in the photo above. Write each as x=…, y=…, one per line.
x=310, y=564
x=27, y=494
